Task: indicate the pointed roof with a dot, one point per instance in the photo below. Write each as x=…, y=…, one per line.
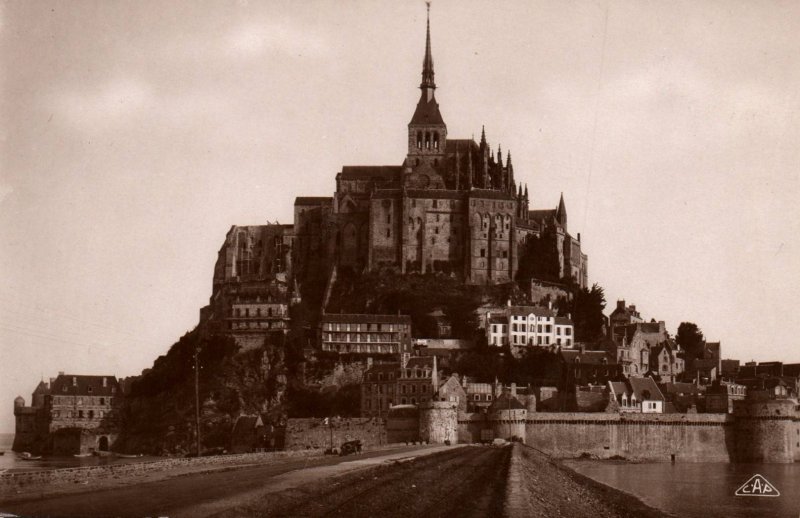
x=42, y=388
x=561, y=211
x=427, y=62
x=427, y=112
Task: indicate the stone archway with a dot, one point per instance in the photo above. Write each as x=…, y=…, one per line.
x=102, y=443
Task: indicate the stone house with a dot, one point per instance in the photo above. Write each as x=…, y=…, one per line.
x=70, y=414
x=639, y=395
x=365, y=335
x=527, y=326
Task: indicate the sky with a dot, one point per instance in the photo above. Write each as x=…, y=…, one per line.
x=133, y=134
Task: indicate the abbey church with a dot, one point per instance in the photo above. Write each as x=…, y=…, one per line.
x=452, y=206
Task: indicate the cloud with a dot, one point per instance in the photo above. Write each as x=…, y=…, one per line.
x=253, y=40
x=117, y=100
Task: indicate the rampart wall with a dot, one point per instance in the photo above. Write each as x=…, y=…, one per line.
x=650, y=437
x=313, y=433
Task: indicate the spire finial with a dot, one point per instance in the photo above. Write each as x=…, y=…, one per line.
x=427, y=63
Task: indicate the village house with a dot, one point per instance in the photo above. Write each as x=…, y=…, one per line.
x=639, y=395
x=527, y=326
x=624, y=315
x=70, y=414
x=720, y=396
x=665, y=363
x=682, y=397
x=633, y=344
x=365, y=335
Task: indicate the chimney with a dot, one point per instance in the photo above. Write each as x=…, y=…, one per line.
x=52, y=380
x=105, y=381
x=621, y=304
x=549, y=304
x=508, y=302
x=579, y=237
x=435, y=377
x=60, y=373
x=513, y=389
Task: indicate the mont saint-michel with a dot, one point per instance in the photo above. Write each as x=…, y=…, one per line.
x=423, y=334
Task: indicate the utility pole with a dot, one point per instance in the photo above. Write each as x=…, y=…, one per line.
x=197, y=396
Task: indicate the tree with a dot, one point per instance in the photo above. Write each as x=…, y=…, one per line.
x=587, y=314
x=539, y=259
x=691, y=339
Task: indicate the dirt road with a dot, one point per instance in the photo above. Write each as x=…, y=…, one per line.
x=465, y=482
x=199, y=494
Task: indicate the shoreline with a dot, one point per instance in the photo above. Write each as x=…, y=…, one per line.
x=550, y=487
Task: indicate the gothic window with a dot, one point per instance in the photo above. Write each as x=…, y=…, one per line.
x=435, y=205
x=483, y=252
x=388, y=233
x=436, y=140
x=427, y=140
x=419, y=140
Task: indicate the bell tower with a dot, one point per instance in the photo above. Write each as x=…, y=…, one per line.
x=427, y=132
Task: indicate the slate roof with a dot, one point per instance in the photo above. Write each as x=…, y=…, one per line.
x=313, y=200
x=81, y=385
x=498, y=320
x=366, y=172
x=587, y=357
x=642, y=385
x=366, y=319
x=427, y=112
x=383, y=367
x=42, y=388
x=541, y=214
x=682, y=388
x=539, y=311
x=419, y=362
x=563, y=321
x=490, y=195
x=462, y=144
x=506, y=401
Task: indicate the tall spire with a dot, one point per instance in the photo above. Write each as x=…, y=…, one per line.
x=427, y=63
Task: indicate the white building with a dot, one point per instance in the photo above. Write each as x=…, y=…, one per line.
x=522, y=326
x=640, y=395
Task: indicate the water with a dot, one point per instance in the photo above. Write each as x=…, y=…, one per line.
x=700, y=489
x=10, y=463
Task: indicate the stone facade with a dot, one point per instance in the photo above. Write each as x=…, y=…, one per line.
x=71, y=414
x=251, y=289
x=366, y=334
x=451, y=206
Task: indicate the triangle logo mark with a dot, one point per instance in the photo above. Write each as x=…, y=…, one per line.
x=757, y=485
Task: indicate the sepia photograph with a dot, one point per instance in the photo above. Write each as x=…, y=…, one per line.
x=375, y=258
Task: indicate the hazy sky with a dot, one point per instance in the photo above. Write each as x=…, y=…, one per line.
x=134, y=134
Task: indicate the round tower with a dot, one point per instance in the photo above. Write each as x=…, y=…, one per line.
x=438, y=422
x=19, y=402
x=763, y=430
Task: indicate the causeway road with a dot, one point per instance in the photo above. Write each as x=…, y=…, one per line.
x=233, y=491
x=513, y=481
